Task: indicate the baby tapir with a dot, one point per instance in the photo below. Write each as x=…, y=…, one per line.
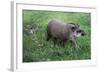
x=61, y=31
x=33, y=28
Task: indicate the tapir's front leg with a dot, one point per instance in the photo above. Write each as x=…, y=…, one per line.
x=73, y=40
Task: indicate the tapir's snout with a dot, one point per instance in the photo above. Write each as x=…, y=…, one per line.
x=82, y=33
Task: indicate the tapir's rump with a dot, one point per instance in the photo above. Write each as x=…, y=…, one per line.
x=58, y=30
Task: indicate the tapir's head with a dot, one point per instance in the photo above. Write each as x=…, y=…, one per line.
x=76, y=30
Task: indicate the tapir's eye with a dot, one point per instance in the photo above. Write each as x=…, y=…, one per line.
x=73, y=28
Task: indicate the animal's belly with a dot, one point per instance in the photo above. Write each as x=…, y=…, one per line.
x=61, y=36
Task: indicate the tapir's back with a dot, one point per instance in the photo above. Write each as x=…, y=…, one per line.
x=58, y=29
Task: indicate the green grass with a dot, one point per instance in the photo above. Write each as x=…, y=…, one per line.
x=35, y=46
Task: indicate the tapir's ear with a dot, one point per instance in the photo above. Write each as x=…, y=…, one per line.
x=78, y=25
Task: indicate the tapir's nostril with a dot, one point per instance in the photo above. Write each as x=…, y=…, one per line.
x=83, y=34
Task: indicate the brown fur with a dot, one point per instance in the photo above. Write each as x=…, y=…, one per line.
x=58, y=30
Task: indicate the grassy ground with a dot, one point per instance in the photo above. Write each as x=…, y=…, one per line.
x=35, y=46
